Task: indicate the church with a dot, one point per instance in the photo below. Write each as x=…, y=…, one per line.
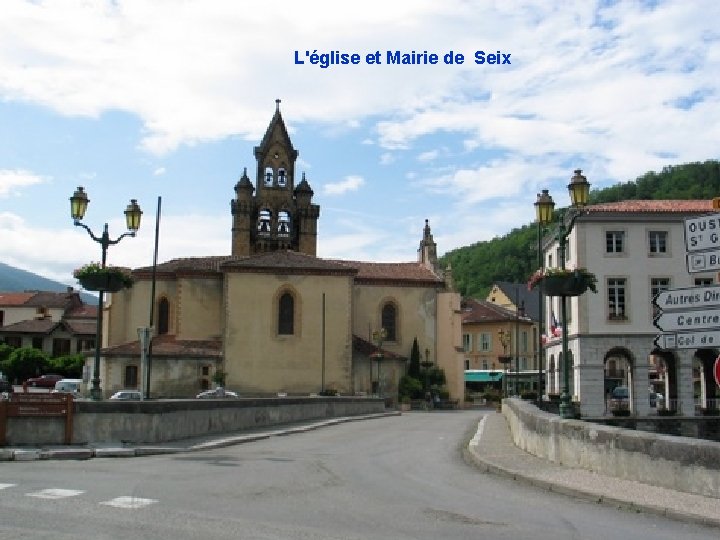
x=273, y=318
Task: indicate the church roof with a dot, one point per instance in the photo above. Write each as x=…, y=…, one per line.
x=394, y=272
x=170, y=346
x=291, y=260
x=276, y=123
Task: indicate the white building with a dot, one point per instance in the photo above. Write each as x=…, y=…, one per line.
x=636, y=249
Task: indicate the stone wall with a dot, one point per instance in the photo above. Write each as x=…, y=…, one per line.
x=684, y=464
x=171, y=420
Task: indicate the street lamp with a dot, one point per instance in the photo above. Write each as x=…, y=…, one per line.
x=78, y=205
x=579, y=189
x=505, y=359
x=544, y=207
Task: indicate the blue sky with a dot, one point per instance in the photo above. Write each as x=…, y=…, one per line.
x=141, y=99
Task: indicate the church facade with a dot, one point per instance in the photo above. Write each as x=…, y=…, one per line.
x=272, y=317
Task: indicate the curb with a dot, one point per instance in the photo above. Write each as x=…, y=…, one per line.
x=81, y=453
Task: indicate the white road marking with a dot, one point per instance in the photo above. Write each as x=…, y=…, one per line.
x=55, y=493
x=129, y=502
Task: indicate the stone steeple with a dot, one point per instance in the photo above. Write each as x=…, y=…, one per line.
x=274, y=214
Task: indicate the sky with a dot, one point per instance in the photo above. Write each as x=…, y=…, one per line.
x=165, y=100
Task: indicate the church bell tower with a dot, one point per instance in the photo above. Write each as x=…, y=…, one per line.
x=275, y=214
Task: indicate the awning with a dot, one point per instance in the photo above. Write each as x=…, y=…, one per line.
x=483, y=376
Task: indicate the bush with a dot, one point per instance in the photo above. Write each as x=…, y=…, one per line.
x=410, y=387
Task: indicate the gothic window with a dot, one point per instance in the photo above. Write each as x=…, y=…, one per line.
x=264, y=219
x=269, y=177
x=282, y=177
x=286, y=314
x=283, y=223
x=163, y=317
x=389, y=321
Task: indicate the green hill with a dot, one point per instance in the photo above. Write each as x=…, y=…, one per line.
x=16, y=280
x=513, y=257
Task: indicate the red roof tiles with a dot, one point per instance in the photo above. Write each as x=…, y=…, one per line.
x=662, y=205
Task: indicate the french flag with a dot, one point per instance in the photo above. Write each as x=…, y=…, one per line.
x=555, y=330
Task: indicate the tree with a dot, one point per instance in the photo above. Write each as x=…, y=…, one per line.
x=26, y=362
x=70, y=365
x=414, y=366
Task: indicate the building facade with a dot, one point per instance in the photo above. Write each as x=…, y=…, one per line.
x=272, y=317
x=636, y=249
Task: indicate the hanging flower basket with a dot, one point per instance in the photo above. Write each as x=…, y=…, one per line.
x=93, y=277
x=563, y=282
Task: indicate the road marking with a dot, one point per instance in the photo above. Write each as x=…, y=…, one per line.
x=129, y=502
x=478, y=434
x=5, y=486
x=55, y=493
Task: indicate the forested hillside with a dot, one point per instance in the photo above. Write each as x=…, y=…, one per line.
x=513, y=257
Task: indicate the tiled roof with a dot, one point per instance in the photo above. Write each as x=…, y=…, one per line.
x=367, y=348
x=286, y=259
x=82, y=327
x=404, y=272
x=529, y=299
x=32, y=326
x=170, y=346
x=393, y=272
x=653, y=206
x=86, y=311
x=480, y=311
x=15, y=298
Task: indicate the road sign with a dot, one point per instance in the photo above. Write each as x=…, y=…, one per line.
x=699, y=319
x=705, y=261
x=716, y=370
x=688, y=298
x=688, y=340
x=702, y=232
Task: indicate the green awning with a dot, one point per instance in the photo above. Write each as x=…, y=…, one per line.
x=483, y=376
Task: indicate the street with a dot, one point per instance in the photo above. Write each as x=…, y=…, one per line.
x=400, y=477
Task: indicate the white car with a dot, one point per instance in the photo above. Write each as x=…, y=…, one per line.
x=217, y=393
x=127, y=395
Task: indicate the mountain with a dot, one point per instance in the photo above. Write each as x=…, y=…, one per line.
x=513, y=257
x=16, y=280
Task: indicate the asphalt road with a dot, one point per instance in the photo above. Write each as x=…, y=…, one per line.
x=399, y=477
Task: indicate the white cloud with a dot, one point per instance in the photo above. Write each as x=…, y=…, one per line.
x=12, y=180
x=428, y=156
x=350, y=183
x=159, y=171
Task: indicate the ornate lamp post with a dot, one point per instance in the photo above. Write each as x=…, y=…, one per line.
x=544, y=212
x=78, y=205
x=579, y=189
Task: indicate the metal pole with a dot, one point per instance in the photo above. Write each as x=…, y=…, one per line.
x=96, y=391
x=565, y=405
x=322, y=376
x=541, y=302
x=146, y=383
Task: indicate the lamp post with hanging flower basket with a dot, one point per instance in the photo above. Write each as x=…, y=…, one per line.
x=97, y=276
x=564, y=282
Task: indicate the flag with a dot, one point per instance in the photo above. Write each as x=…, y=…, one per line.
x=555, y=330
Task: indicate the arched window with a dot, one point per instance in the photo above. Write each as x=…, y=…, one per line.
x=282, y=177
x=269, y=176
x=389, y=321
x=283, y=223
x=286, y=315
x=263, y=225
x=163, y=316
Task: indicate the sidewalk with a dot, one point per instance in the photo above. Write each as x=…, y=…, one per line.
x=492, y=450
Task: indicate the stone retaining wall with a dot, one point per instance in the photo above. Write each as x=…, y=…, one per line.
x=163, y=421
x=684, y=464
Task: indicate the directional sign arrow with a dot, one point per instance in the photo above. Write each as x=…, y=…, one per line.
x=688, y=298
x=699, y=319
x=688, y=340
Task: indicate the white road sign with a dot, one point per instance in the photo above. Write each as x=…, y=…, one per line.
x=701, y=319
x=688, y=340
x=705, y=261
x=702, y=232
x=688, y=298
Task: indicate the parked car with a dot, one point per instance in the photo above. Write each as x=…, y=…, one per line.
x=620, y=400
x=127, y=395
x=217, y=393
x=68, y=386
x=44, y=381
